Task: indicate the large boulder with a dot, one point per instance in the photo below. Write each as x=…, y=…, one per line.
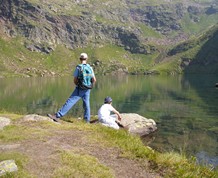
x=137, y=124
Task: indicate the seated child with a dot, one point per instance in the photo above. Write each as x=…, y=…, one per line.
x=104, y=114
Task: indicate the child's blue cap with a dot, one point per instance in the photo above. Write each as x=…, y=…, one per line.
x=108, y=99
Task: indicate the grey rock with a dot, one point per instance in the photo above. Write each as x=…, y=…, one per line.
x=137, y=124
x=35, y=117
x=4, y=122
x=7, y=166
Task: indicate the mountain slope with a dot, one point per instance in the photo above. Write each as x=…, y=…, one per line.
x=141, y=32
x=199, y=54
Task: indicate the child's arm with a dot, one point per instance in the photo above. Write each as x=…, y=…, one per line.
x=117, y=113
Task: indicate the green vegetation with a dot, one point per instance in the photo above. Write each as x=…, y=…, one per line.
x=182, y=103
x=79, y=165
x=114, y=22
x=149, y=32
x=21, y=160
x=78, y=162
x=16, y=60
x=195, y=28
x=201, y=50
x=55, y=7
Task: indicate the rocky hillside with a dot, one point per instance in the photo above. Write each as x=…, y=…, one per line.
x=144, y=28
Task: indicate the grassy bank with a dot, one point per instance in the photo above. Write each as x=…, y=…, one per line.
x=76, y=149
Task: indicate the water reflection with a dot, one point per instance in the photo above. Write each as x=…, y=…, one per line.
x=204, y=158
x=185, y=107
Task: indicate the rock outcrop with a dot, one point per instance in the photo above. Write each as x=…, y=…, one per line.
x=140, y=27
x=45, y=28
x=74, y=24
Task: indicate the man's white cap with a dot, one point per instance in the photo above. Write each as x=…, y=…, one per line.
x=83, y=56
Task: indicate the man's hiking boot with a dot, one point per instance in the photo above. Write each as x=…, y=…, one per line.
x=53, y=117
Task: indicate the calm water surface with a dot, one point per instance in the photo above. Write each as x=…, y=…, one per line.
x=185, y=107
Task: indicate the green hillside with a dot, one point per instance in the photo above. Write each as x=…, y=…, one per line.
x=199, y=54
x=44, y=38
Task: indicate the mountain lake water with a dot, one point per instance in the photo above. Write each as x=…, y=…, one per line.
x=185, y=108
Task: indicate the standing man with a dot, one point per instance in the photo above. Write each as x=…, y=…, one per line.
x=84, y=79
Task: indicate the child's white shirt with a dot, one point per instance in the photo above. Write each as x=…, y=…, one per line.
x=104, y=111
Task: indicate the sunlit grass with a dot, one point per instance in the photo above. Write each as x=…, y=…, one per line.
x=169, y=67
x=62, y=61
x=81, y=165
x=173, y=164
x=196, y=27
x=11, y=116
x=14, y=133
x=129, y=146
x=20, y=161
x=179, y=166
x=18, y=132
x=149, y=32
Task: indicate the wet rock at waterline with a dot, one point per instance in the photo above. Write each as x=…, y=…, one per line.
x=137, y=124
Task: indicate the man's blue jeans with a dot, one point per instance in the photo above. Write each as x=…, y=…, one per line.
x=72, y=100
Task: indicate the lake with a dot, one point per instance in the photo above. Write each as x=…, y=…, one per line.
x=184, y=107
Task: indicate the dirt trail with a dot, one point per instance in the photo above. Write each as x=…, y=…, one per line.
x=44, y=154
